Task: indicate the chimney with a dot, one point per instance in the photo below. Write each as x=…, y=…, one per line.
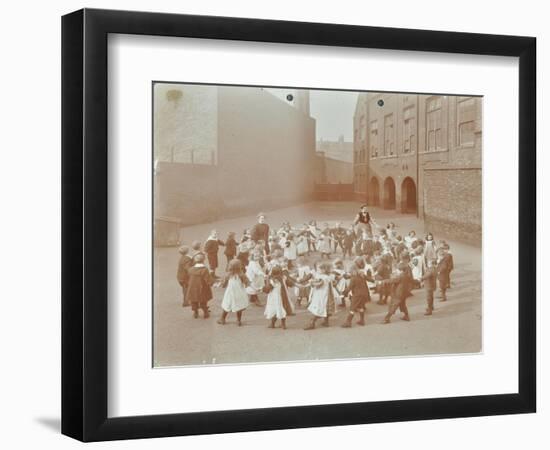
x=302, y=101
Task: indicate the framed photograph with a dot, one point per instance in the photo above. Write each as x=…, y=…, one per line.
x=273, y=224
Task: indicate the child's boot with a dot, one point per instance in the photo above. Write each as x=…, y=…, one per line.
x=221, y=320
x=325, y=322
x=347, y=323
x=283, y=324
x=272, y=324
x=239, y=318
x=311, y=325
x=361, y=320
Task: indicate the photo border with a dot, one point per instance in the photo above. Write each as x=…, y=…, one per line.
x=84, y=224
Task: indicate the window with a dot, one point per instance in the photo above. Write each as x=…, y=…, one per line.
x=374, y=139
x=362, y=131
x=434, y=119
x=409, y=130
x=466, y=116
x=389, y=136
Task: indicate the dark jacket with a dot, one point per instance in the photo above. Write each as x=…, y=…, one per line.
x=349, y=240
x=358, y=286
x=400, y=286
x=338, y=233
x=199, y=290
x=444, y=268
x=211, y=247
x=369, y=247
x=230, y=248
x=260, y=232
x=430, y=279
x=184, y=264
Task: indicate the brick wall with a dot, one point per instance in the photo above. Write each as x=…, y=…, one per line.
x=185, y=123
x=188, y=192
x=452, y=203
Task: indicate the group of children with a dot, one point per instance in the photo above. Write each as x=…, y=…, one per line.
x=384, y=263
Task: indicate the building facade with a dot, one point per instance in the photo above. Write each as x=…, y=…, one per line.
x=422, y=154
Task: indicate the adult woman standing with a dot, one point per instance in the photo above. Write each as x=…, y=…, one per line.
x=363, y=221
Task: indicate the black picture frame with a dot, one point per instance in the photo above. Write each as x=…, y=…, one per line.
x=84, y=224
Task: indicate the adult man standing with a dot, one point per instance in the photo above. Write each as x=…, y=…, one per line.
x=260, y=232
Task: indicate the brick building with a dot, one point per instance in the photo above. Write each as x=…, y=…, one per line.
x=222, y=151
x=422, y=154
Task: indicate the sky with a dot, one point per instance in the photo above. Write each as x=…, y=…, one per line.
x=332, y=110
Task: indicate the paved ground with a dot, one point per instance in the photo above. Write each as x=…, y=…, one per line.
x=179, y=339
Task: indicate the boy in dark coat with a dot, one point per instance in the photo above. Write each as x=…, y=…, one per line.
x=430, y=282
x=360, y=294
x=230, y=251
x=444, y=268
x=349, y=240
x=400, y=285
x=383, y=272
x=211, y=247
x=199, y=292
x=338, y=235
x=182, y=276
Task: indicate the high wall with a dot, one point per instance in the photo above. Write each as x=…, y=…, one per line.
x=338, y=171
x=452, y=203
x=266, y=150
x=251, y=152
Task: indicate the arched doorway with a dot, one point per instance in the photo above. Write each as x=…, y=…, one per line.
x=408, y=196
x=389, y=193
x=374, y=192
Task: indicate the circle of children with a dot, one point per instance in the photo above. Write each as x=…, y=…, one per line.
x=275, y=263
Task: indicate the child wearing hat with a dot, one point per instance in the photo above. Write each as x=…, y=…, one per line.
x=235, y=297
x=184, y=263
x=199, y=291
x=195, y=250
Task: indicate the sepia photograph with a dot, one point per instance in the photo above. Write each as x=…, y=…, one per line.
x=295, y=224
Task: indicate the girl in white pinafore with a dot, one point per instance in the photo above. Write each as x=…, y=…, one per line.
x=235, y=298
x=322, y=296
x=256, y=279
x=342, y=281
x=301, y=244
x=290, y=250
